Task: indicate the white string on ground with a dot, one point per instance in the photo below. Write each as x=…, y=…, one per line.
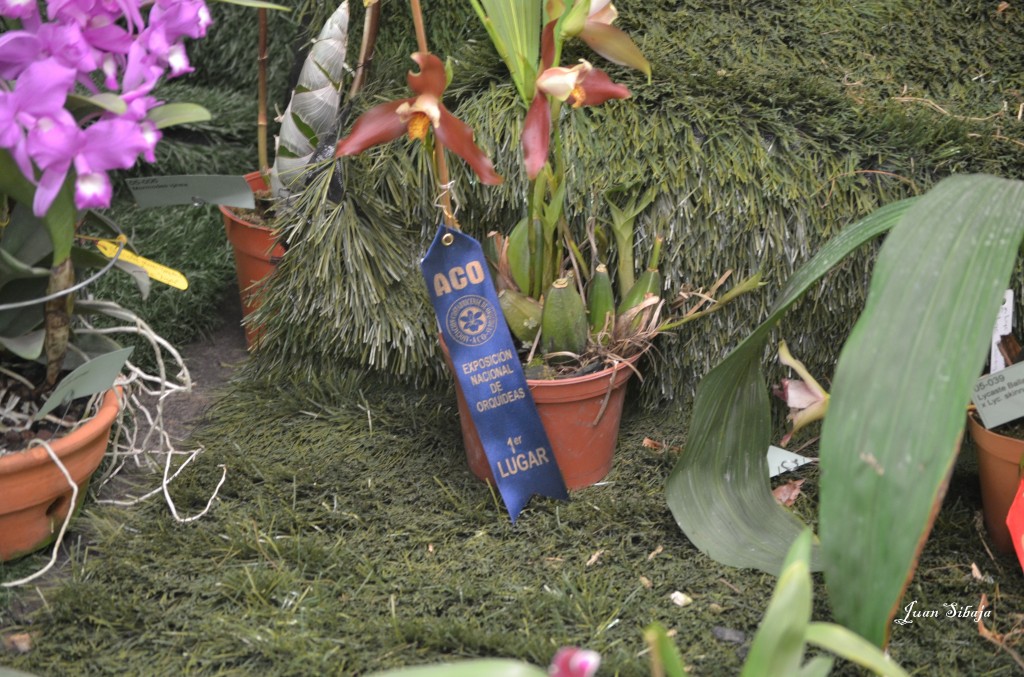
x=125, y=441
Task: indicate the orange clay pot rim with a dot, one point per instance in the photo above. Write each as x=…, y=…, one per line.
x=232, y=215
x=98, y=425
x=627, y=363
x=248, y=224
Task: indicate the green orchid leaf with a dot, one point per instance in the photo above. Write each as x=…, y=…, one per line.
x=26, y=346
x=819, y=666
x=847, y=644
x=13, y=268
x=171, y=114
x=901, y=387
x=665, y=657
x=59, y=219
x=80, y=105
x=492, y=667
x=778, y=646
x=719, y=491
x=514, y=27
x=95, y=376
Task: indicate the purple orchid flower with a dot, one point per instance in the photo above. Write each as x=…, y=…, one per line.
x=85, y=43
x=571, y=661
x=23, y=10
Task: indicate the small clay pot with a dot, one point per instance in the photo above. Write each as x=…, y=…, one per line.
x=257, y=252
x=35, y=497
x=999, y=471
x=581, y=416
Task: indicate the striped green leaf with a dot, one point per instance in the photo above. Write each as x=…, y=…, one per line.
x=902, y=385
x=719, y=491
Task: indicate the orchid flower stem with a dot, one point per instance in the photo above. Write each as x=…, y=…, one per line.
x=417, y=22
x=371, y=28
x=440, y=162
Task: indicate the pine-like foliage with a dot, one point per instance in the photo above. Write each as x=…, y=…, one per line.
x=767, y=127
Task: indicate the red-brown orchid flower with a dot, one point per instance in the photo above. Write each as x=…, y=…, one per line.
x=581, y=85
x=415, y=116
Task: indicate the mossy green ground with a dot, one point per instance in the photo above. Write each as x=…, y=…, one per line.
x=351, y=537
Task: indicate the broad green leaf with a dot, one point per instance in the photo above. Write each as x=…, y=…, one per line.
x=901, y=388
x=666, y=660
x=95, y=376
x=171, y=114
x=12, y=268
x=25, y=237
x=491, y=667
x=847, y=644
x=819, y=666
x=26, y=346
x=778, y=646
x=59, y=219
x=23, y=318
x=719, y=492
x=515, y=28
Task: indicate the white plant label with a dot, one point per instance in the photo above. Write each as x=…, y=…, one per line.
x=1004, y=326
x=160, y=191
x=782, y=460
x=1000, y=397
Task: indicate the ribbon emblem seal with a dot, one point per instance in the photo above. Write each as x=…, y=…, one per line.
x=487, y=369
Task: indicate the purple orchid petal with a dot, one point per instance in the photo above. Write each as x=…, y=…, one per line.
x=68, y=46
x=19, y=9
x=140, y=74
x=18, y=50
x=47, y=188
x=10, y=133
x=54, y=140
x=98, y=154
x=43, y=87
x=93, y=191
x=180, y=18
x=177, y=61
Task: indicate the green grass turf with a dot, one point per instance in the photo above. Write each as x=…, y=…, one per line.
x=350, y=537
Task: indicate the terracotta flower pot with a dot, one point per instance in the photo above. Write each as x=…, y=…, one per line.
x=580, y=415
x=35, y=497
x=256, y=255
x=999, y=471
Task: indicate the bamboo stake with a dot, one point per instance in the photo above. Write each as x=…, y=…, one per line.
x=261, y=94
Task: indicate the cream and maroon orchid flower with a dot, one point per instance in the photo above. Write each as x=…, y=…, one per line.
x=595, y=28
x=417, y=115
x=807, y=400
x=581, y=85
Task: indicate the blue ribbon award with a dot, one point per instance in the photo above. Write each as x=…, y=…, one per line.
x=488, y=370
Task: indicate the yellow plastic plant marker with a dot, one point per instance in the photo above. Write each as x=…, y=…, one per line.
x=156, y=271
